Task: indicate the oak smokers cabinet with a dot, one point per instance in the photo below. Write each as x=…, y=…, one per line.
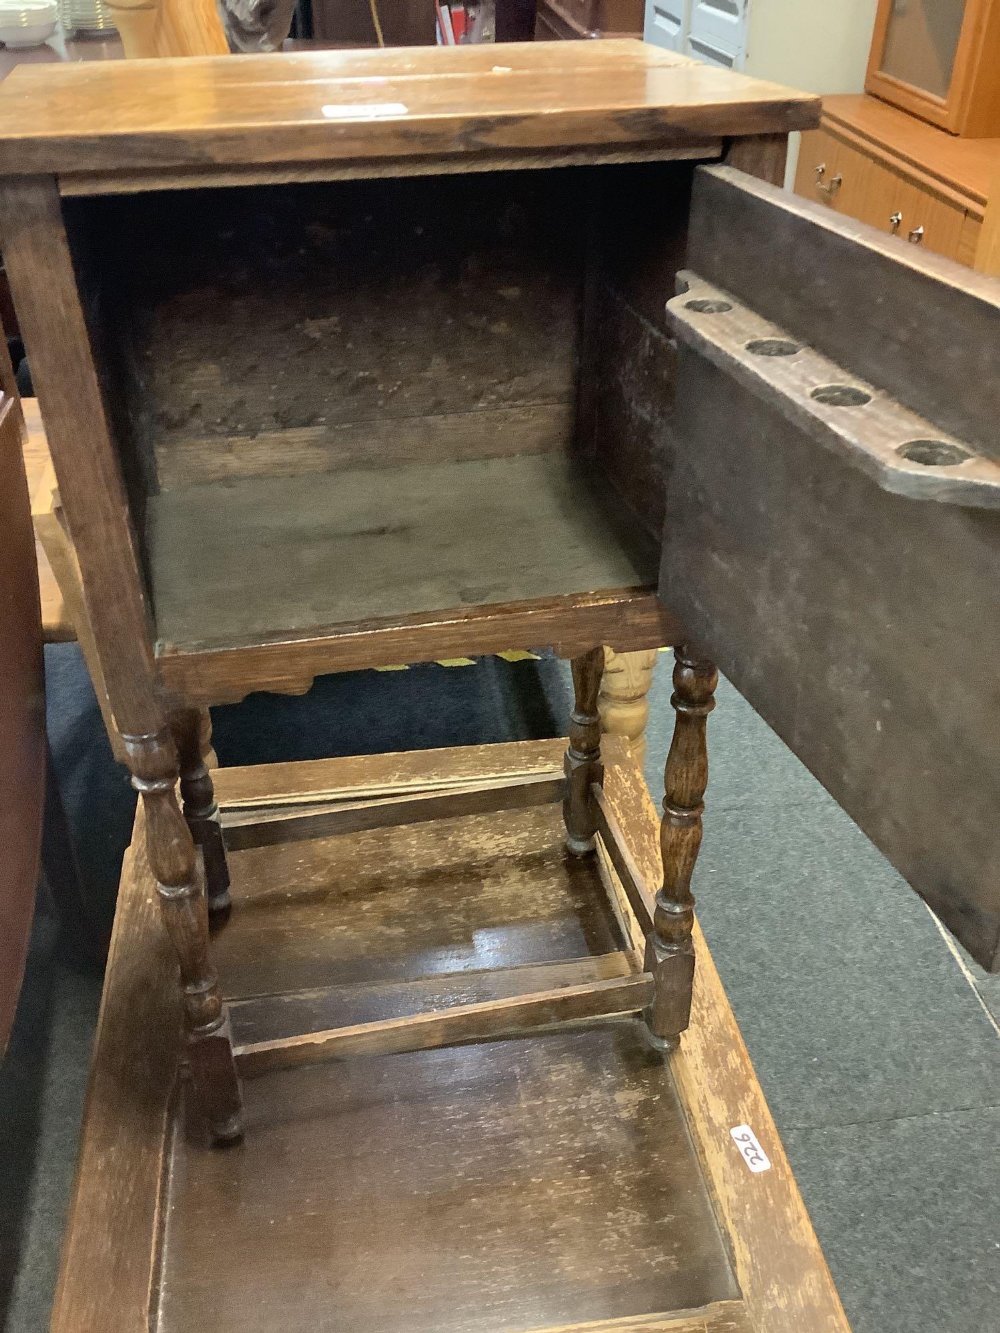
x=344, y=362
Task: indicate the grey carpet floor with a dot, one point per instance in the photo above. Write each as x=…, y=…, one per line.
x=874, y=1037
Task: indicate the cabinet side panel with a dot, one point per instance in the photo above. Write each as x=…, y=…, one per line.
x=627, y=373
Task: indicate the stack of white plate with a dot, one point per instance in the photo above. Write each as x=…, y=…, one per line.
x=85, y=16
x=27, y=22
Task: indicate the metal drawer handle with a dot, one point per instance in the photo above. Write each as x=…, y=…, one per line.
x=916, y=236
x=895, y=221
x=834, y=184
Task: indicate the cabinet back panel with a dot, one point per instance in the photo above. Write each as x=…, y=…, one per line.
x=276, y=330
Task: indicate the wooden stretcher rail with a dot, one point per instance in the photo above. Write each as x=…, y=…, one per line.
x=471, y=1022
x=901, y=451
x=268, y=827
x=639, y=894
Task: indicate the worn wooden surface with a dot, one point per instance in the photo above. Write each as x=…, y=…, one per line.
x=113, y=1227
x=217, y=111
x=484, y=1268
x=920, y=327
x=861, y=630
x=22, y=716
x=860, y=423
x=626, y=618
x=57, y=622
x=39, y=265
x=784, y=1281
x=269, y=1017
x=294, y=329
x=471, y=1182
x=256, y=828
x=637, y=242
x=231, y=564
x=64, y=609
x=834, y=606
x=479, y=1020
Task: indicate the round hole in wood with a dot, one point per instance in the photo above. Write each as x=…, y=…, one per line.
x=841, y=395
x=773, y=347
x=933, y=453
x=707, y=306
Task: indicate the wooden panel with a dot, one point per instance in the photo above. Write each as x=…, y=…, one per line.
x=255, y=110
x=934, y=329
x=296, y=823
x=357, y=324
x=537, y=1223
x=233, y=564
x=987, y=244
x=623, y=618
x=113, y=1229
x=22, y=716
x=783, y=1278
x=39, y=264
x=476, y=1170
x=269, y=1017
x=57, y=624
x=838, y=620
x=613, y=997
x=500, y=885
x=627, y=362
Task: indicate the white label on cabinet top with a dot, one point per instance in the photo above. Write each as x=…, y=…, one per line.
x=750, y=1150
x=363, y=110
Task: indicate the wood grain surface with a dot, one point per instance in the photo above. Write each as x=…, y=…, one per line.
x=22, y=716
x=918, y=326
x=783, y=1277
x=484, y=1020
x=449, y=1191
x=304, y=107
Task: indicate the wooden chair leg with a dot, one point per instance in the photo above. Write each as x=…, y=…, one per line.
x=669, y=951
x=174, y=863
x=623, y=702
x=192, y=731
x=583, y=757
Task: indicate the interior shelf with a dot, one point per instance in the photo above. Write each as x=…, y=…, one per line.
x=234, y=563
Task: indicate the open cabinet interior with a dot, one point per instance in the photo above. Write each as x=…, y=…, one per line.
x=310, y=384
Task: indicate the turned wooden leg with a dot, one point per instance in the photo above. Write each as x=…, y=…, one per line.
x=669, y=951
x=192, y=731
x=583, y=758
x=623, y=703
x=175, y=866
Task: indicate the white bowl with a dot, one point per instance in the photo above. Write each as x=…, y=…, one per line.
x=27, y=22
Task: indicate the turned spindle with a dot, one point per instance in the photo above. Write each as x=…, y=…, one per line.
x=669, y=950
x=623, y=702
x=582, y=765
x=180, y=886
x=192, y=732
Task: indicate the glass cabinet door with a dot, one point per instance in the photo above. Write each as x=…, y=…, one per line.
x=921, y=41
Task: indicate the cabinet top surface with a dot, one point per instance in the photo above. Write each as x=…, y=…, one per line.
x=409, y=102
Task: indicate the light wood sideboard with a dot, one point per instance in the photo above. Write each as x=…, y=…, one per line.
x=875, y=163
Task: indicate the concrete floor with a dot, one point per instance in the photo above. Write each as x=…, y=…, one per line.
x=875, y=1039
